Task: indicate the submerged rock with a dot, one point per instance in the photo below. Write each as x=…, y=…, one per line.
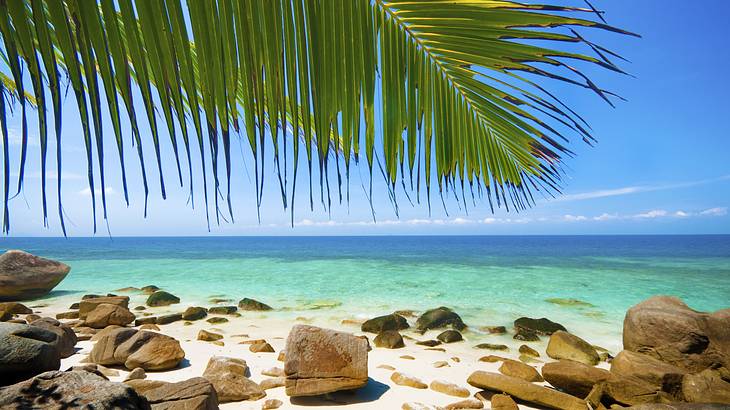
x=251, y=304
x=382, y=323
x=24, y=276
x=162, y=298
x=439, y=318
x=542, y=326
x=563, y=345
x=569, y=302
x=222, y=310
x=26, y=351
x=450, y=336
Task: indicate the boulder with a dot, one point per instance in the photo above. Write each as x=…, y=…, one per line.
x=573, y=377
x=706, y=387
x=150, y=289
x=162, y=298
x=228, y=376
x=87, y=305
x=67, y=338
x=71, y=389
x=192, y=394
x=207, y=336
x=15, y=308
x=542, y=326
x=667, y=329
x=440, y=317
x=133, y=348
x=26, y=351
x=402, y=379
x=526, y=391
x=563, y=345
x=167, y=319
x=503, y=402
x=389, y=339
x=449, y=388
x=630, y=391
x=647, y=368
x=194, y=313
x=73, y=314
x=251, y=304
x=24, y=276
x=321, y=361
x=493, y=330
x=450, y=336
x=520, y=370
x=382, y=323
x=106, y=314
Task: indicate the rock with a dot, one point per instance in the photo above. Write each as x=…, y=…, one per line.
x=706, y=387
x=274, y=372
x=15, y=308
x=667, y=329
x=520, y=370
x=494, y=330
x=162, y=298
x=465, y=404
x=261, y=348
x=150, y=320
x=569, y=302
x=492, y=358
x=528, y=351
x=503, y=402
x=271, y=404
x=429, y=343
x=192, y=394
x=5, y=316
x=26, y=351
x=86, y=306
x=217, y=320
x=450, y=336
x=128, y=289
x=272, y=383
x=439, y=318
x=138, y=308
x=251, y=304
x=647, y=368
x=95, y=368
x=526, y=335
x=24, y=276
x=382, y=323
x=106, y=314
x=542, y=326
x=563, y=345
x=74, y=314
x=402, y=379
x=67, y=339
x=573, y=377
x=228, y=376
x=194, y=313
x=136, y=374
x=322, y=361
x=680, y=406
x=629, y=391
x=526, y=391
x=418, y=406
x=389, y=339
x=150, y=289
x=491, y=346
x=72, y=389
x=133, y=348
x=441, y=363
x=167, y=319
x=149, y=326
x=222, y=310
x=449, y=388
x=207, y=336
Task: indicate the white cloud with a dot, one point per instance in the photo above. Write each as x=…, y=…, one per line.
x=87, y=192
x=605, y=217
x=655, y=213
x=719, y=211
x=574, y=218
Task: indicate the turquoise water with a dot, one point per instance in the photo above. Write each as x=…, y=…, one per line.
x=488, y=280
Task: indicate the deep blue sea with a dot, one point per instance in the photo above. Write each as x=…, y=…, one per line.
x=489, y=280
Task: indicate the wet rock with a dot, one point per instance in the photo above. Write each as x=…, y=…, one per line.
x=542, y=326
x=195, y=313
x=494, y=330
x=193, y=394
x=403, y=379
x=573, y=377
x=322, y=361
x=106, y=314
x=439, y=318
x=528, y=351
x=228, y=376
x=429, y=343
x=563, y=345
x=382, y=323
x=520, y=370
x=492, y=346
x=86, y=306
x=132, y=348
x=24, y=276
x=263, y=347
x=449, y=388
x=150, y=289
x=167, y=319
x=26, y=351
x=389, y=339
x=72, y=389
x=526, y=391
x=251, y=304
x=450, y=336
x=216, y=320
x=503, y=402
x=222, y=310
x=526, y=335
x=207, y=336
x=15, y=308
x=162, y=298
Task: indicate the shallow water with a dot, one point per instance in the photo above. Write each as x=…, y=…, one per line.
x=488, y=280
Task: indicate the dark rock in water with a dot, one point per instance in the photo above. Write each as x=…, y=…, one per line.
x=74, y=306
x=491, y=346
x=450, y=336
x=494, y=330
x=167, y=319
x=162, y=298
x=25, y=276
x=195, y=313
x=216, y=320
x=667, y=329
x=572, y=377
x=148, y=290
x=222, y=310
x=389, y=339
x=429, y=343
x=526, y=335
x=528, y=351
x=542, y=326
x=91, y=296
x=128, y=289
x=439, y=318
x=72, y=389
x=192, y=394
x=26, y=351
x=66, y=336
x=569, y=302
x=140, y=308
x=251, y=304
x=383, y=323
x=15, y=308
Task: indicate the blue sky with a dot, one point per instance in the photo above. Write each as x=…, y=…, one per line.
x=660, y=165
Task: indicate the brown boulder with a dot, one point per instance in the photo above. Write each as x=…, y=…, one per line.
x=192, y=394
x=389, y=339
x=573, y=377
x=644, y=367
x=106, y=314
x=503, y=402
x=228, y=376
x=87, y=305
x=67, y=339
x=15, y=308
x=24, y=276
x=706, y=387
x=322, y=361
x=520, y=370
x=563, y=345
x=133, y=348
x=526, y=391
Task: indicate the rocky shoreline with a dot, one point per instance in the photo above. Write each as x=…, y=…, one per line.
x=144, y=348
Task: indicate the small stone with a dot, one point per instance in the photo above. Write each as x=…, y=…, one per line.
x=491, y=346
x=386, y=367
x=272, y=383
x=162, y=298
x=218, y=343
x=528, y=351
x=406, y=380
x=492, y=358
x=450, y=336
x=429, y=343
x=465, y=404
x=136, y=374
x=207, y=336
x=217, y=320
x=449, y=388
x=456, y=359
x=261, y=348
x=281, y=357
x=526, y=335
x=194, y=313
x=529, y=359
x=74, y=314
x=503, y=402
x=139, y=308
x=271, y=404
x=436, y=349
x=274, y=372
x=441, y=364
x=389, y=339
x=407, y=357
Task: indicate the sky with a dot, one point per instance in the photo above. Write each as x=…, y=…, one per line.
x=660, y=166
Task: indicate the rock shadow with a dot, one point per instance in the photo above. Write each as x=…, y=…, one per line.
x=371, y=392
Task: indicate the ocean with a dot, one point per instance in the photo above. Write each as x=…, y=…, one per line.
x=488, y=280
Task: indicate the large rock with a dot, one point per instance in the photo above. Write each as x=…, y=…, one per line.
x=228, y=376
x=15, y=308
x=563, y=345
x=526, y=391
x=24, y=276
x=162, y=298
x=133, y=348
x=106, y=314
x=630, y=391
x=706, y=387
x=322, y=361
x=573, y=377
x=439, y=318
x=26, y=351
x=251, y=304
x=542, y=326
x=653, y=371
x=680, y=406
x=667, y=329
x=192, y=394
x=67, y=338
x=70, y=390
x=520, y=370
x=383, y=323
x=87, y=305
